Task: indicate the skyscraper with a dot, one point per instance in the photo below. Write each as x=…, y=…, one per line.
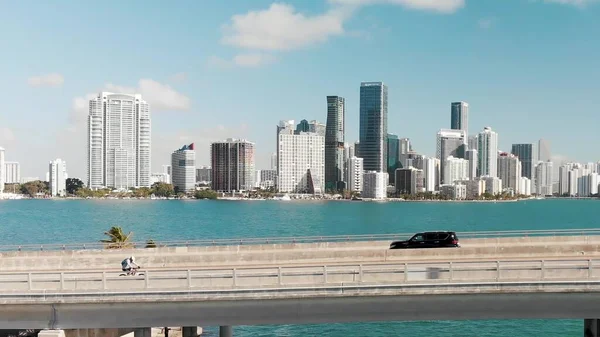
x=431, y=172
x=12, y=172
x=473, y=143
x=183, y=166
x=544, y=151
x=118, y=141
x=472, y=156
x=404, y=147
x=334, y=144
x=409, y=180
x=455, y=169
x=300, y=161
x=488, y=153
x=509, y=171
x=302, y=126
x=459, y=117
x=316, y=127
x=544, y=178
x=57, y=177
x=393, y=153
x=449, y=143
x=232, y=164
x=526, y=155
x=373, y=126
x=355, y=174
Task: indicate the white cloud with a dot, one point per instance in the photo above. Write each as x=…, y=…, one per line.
x=48, y=80
x=576, y=3
x=281, y=27
x=218, y=62
x=178, y=77
x=241, y=60
x=440, y=6
x=485, y=23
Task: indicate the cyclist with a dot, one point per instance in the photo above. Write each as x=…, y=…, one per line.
x=128, y=265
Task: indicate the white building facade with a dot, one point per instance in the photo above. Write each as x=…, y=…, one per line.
x=57, y=177
x=431, y=173
x=355, y=174
x=455, y=191
x=525, y=186
x=2, y=170
x=487, y=153
x=543, y=174
x=183, y=168
x=119, y=143
x=300, y=161
x=375, y=185
x=455, y=169
x=493, y=185
x=12, y=171
x=509, y=171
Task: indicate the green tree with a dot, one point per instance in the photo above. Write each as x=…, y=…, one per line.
x=142, y=192
x=117, y=239
x=73, y=185
x=162, y=189
x=32, y=188
x=206, y=194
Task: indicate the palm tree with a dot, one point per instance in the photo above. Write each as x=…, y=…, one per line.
x=117, y=239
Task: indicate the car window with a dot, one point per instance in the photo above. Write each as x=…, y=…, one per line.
x=418, y=238
x=431, y=236
x=443, y=236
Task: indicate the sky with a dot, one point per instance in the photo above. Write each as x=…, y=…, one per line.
x=213, y=70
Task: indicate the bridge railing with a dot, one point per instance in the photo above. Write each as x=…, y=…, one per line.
x=302, y=239
x=287, y=276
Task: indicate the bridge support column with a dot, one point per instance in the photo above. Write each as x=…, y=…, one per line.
x=51, y=333
x=225, y=331
x=591, y=327
x=142, y=332
x=190, y=331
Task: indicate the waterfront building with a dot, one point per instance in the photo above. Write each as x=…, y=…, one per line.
x=334, y=144
x=573, y=180
x=257, y=180
x=454, y=191
x=393, y=155
x=203, y=174
x=409, y=180
x=493, y=185
x=431, y=172
x=375, y=185
x=588, y=185
x=414, y=159
x=527, y=156
x=544, y=178
x=274, y=161
x=459, y=117
x=232, y=163
x=119, y=142
x=159, y=178
x=455, y=169
x=183, y=166
x=301, y=161
x=509, y=171
x=268, y=178
x=474, y=188
x=349, y=152
x=58, y=178
x=12, y=172
x=355, y=174
x=488, y=153
x=373, y=126
x=167, y=169
x=2, y=170
x=449, y=143
x=472, y=157
x=525, y=186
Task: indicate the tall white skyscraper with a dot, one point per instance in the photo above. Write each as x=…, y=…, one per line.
x=449, y=143
x=2, y=170
x=183, y=164
x=355, y=174
x=431, y=172
x=472, y=156
x=544, y=178
x=300, y=161
x=509, y=170
x=118, y=141
x=455, y=169
x=57, y=177
x=488, y=153
x=374, y=185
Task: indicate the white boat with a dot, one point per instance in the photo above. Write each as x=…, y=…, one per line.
x=285, y=197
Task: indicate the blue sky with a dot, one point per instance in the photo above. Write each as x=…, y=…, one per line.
x=219, y=69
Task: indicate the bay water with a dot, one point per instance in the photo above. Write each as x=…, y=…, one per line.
x=79, y=221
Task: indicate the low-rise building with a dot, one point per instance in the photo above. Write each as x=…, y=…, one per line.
x=374, y=185
x=456, y=191
x=493, y=185
x=475, y=188
x=409, y=181
x=525, y=186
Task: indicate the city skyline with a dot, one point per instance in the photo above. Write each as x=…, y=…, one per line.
x=496, y=69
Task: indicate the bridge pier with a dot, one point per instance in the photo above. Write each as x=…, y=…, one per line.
x=142, y=332
x=190, y=331
x=591, y=327
x=225, y=331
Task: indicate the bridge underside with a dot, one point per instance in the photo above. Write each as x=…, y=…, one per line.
x=302, y=310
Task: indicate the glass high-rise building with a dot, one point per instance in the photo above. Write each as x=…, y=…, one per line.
x=459, y=116
x=526, y=154
x=118, y=141
x=183, y=167
x=449, y=143
x=373, y=126
x=488, y=153
x=334, y=144
x=393, y=155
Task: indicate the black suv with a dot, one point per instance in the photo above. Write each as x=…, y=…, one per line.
x=428, y=240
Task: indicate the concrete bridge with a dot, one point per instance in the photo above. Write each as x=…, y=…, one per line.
x=310, y=282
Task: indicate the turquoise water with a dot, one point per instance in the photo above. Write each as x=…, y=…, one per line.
x=68, y=221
